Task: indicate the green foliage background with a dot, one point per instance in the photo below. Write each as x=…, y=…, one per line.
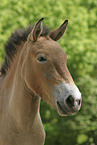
x=80, y=44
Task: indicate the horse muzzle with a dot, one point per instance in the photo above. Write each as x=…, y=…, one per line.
x=67, y=99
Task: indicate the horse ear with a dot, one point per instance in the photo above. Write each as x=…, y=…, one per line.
x=36, y=31
x=59, y=32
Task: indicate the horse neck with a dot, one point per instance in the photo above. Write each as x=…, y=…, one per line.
x=23, y=104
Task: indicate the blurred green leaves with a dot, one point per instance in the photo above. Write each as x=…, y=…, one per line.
x=82, y=138
x=80, y=44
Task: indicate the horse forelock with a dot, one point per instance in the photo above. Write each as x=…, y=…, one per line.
x=13, y=45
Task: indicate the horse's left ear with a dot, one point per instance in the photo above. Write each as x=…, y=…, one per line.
x=36, y=31
x=59, y=32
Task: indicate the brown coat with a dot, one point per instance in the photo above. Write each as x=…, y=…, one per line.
x=38, y=70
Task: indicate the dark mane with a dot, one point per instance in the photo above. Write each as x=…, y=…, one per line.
x=16, y=38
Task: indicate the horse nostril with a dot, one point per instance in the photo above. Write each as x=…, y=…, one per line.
x=78, y=102
x=70, y=101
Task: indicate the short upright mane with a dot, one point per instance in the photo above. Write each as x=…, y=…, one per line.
x=15, y=39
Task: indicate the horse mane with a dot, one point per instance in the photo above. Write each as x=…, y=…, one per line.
x=15, y=39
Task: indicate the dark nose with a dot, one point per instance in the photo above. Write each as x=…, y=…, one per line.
x=72, y=102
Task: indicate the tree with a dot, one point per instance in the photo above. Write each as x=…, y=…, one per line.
x=80, y=44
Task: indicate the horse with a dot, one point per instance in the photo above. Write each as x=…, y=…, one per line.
x=35, y=67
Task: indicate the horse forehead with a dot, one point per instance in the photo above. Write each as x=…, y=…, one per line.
x=48, y=42
x=50, y=46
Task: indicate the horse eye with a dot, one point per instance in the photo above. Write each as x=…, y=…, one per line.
x=41, y=58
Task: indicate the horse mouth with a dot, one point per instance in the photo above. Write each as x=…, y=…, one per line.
x=61, y=110
x=64, y=110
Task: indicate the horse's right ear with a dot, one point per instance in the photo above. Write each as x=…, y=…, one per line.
x=36, y=31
